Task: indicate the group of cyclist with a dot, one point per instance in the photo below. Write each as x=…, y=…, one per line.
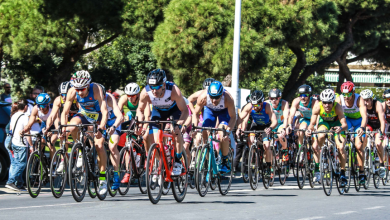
x=82, y=101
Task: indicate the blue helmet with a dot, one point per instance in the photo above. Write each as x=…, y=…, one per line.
x=215, y=89
x=42, y=99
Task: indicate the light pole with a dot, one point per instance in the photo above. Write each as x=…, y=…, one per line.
x=236, y=53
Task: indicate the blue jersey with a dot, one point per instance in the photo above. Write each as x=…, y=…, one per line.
x=90, y=107
x=261, y=117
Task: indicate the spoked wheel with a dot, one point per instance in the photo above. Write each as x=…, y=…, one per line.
x=58, y=171
x=154, y=174
x=348, y=169
x=78, y=174
x=355, y=170
x=253, y=167
x=203, y=172
x=385, y=180
x=34, y=174
x=92, y=186
x=110, y=180
x=125, y=170
x=244, y=165
x=376, y=180
x=293, y=159
x=142, y=183
x=213, y=183
x=367, y=167
x=310, y=173
x=326, y=171
x=301, y=167
x=225, y=179
x=179, y=185
x=273, y=168
x=283, y=170
x=191, y=170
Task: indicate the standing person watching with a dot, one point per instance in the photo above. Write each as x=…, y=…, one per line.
x=7, y=93
x=18, y=151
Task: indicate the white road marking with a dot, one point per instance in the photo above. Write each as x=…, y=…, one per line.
x=375, y=207
x=244, y=190
x=311, y=218
x=344, y=213
x=40, y=206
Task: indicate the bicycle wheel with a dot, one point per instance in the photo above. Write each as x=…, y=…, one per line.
x=301, y=166
x=284, y=168
x=293, y=161
x=58, y=171
x=110, y=180
x=191, y=170
x=273, y=167
x=203, y=171
x=244, y=165
x=385, y=180
x=225, y=179
x=367, y=167
x=355, y=169
x=34, y=174
x=253, y=167
x=154, y=174
x=125, y=169
x=166, y=188
x=348, y=169
x=179, y=185
x=326, y=171
x=375, y=176
x=78, y=173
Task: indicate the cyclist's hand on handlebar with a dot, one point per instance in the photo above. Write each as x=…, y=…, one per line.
x=289, y=129
x=268, y=131
x=111, y=130
x=308, y=132
x=360, y=132
x=98, y=134
x=283, y=132
x=183, y=129
x=337, y=129
x=238, y=132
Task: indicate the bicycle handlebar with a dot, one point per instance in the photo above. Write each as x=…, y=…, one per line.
x=211, y=129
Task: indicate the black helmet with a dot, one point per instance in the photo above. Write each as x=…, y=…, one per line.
x=304, y=89
x=248, y=99
x=257, y=97
x=207, y=82
x=274, y=93
x=386, y=94
x=64, y=87
x=156, y=77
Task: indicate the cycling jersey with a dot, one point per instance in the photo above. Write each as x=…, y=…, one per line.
x=306, y=111
x=89, y=111
x=212, y=112
x=220, y=106
x=164, y=103
x=44, y=116
x=351, y=112
x=387, y=114
x=329, y=120
x=132, y=108
x=74, y=108
x=261, y=117
x=373, y=118
x=278, y=112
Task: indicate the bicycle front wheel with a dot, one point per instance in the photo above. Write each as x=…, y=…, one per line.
x=225, y=179
x=125, y=170
x=191, y=170
x=154, y=174
x=179, y=185
x=253, y=167
x=301, y=167
x=78, y=173
x=244, y=165
x=58, y=171
x=34, y=174
x=203, y=171
x=385, y=180
x=367, y=167
x=326, y=171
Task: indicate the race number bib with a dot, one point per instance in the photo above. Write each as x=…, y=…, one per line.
x=90, y=116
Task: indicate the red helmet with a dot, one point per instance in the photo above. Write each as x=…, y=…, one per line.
x=347, y=87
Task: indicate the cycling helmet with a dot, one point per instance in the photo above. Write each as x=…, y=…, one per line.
x=42, y=99
x=304, y=89
x=207, y=82
x=215, y=89
x=132, y=89
x=386, y=94
x=156, y=77
x=366, y=94
x=257, y=97
x=347, y=87
x=248, y=99
x=101, y=86
x=327, y=95
x=274, y=93
x=81, y=79
x=64, y=87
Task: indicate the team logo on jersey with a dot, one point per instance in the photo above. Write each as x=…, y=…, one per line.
x=168, y=99
x=90, y=98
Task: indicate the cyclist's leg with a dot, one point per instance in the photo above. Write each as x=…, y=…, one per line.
x=114, y=153
x=356, y=123
x=303, y=124
x=381, y=154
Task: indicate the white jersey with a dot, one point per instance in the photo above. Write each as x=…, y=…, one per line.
x=43, y=116
x=164, y=103
x=219, y=107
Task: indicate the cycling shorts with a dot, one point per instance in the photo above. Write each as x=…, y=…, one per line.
x=163, y=115
x=355, y=124
x=84, y=120
x=256, y=127
x=373, y=126
x=43, y=125
x=304, y=120
x=186, y=136
x=210, y=117
x=330, y=124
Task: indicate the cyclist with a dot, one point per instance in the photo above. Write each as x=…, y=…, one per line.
x=93, y=109
x=304, y=104
x=331, y=116
x=356, y=115
x=386, y=107
x=263, y=118
x=42, y=110
x=281, y=110
x=167, y=101
x=376, y=120
x=216, y=102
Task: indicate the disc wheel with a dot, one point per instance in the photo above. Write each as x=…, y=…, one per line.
x=58, y=170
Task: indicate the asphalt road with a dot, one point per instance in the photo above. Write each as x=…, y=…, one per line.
x=281, y=202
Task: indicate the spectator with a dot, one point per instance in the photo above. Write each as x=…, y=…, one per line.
x=18, y=151
x=116, y=95
x=6, y=94
x=31, y=103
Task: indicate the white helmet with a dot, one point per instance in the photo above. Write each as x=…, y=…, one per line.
x=81, y=79
x=132, y=89
x=366, y=94
x=327, y=95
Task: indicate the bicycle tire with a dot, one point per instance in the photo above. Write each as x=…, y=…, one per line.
x=375, y=176
x=154, y=166
x=59, y=157
x=198, y=151
x=253, y=167
x=191, y=170
x=125, y=167
x=326, y=171
x=225, y=179
x=284, y=168
x=77, y=174
x=293, y=163
x=180, y=185
x=202, y=170
x=354, y=168
x=367, y=167
x=110, y=180
x=310, y=168
x=34, y=175
x=385, y=180
x=273, y=167
x=301, y=166
x=244, y=165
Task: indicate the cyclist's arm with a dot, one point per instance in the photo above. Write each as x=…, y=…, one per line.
x=192, y=99
x=272, y=116
x=363, y=112
x=340, y=114
x=181, y=104
x=143, y=102
x=293, y=109
x=229, y=102
x=98, y=93
x=381, y=115
x=54, y=112
x=118, y=114
x=122, y=101
x=188, y=121
x=286, y=110
x=200, y=103
x=32, y=119
x=68, y=103
x=244, y=116
x=314, y=116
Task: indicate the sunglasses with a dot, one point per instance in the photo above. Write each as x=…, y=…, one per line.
x=215, y=97
x=63, y=95
x=304, y=95
x=256, y=105
x=273, y=99
x=327, y=103
x=347, y=95
x=387, y=99
x=7, y=87
x=155, y=87
x=131, y=96
x=81, y=89
x=43, y=106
